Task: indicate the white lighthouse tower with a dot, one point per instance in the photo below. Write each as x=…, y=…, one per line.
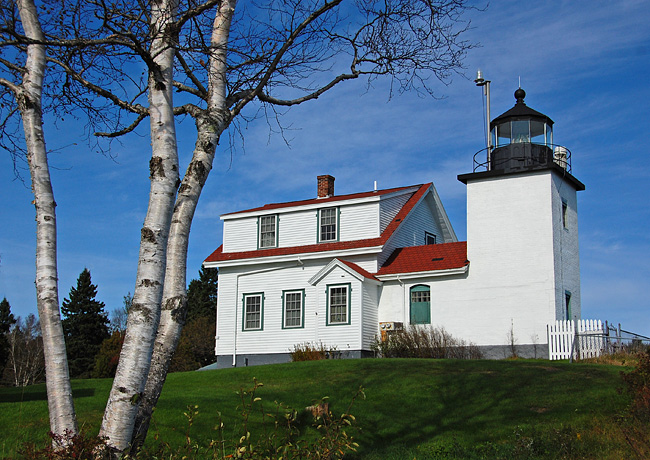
x=522, y=229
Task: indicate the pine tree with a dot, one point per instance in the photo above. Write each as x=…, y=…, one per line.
x=6, y=321
x=85, y=326
x=196, y=344
x=202, y=295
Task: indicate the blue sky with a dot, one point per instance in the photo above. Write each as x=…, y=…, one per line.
x=582, y=63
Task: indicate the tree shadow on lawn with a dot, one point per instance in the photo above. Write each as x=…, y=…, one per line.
x=37, y=393
x=469, y=405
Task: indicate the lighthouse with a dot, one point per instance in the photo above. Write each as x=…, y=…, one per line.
x=522, y=228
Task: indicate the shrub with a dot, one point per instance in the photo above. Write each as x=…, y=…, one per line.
x=278, y=438
x=636, y=426
x=78, y=446
x=312, y=352
x=425, y=342
x=278, y=433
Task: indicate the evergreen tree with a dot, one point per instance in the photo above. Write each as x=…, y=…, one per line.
x=109, y=355
x=202, y=295
x=6, y=321
x=196, y=344
x=85, y=326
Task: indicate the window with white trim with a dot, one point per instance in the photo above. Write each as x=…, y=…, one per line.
x=268, y=231
x=429, y=238
x=338, y=304
x=293, y=313
x=565, y=208
x=328, y=224
x=253, y=312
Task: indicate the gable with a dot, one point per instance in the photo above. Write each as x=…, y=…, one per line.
x=344, y=266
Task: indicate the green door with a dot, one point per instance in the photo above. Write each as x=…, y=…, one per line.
x=420, y=305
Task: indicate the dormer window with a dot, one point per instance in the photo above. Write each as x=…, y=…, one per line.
x=328, y=225
x=268, y=232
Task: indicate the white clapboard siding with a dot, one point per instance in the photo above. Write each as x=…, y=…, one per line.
x=389, y=207
x=298, y=228
x=240, y=234
x=580, y=339
x=370, y=314
x=359, y=221
x=411, y=231
x=274, y=337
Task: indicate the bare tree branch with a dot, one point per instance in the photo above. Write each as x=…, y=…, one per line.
x=100, y=91
x=126, y=130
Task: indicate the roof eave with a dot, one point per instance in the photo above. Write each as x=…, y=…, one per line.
x=423, y=274
x=291, y=257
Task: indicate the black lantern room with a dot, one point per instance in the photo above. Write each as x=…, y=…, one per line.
x=522, y=138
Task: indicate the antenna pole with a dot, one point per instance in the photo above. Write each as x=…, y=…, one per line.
x=480, y=81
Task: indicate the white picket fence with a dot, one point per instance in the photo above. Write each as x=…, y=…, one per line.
x=583, y=338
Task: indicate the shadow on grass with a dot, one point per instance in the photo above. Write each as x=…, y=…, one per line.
x=37, y=393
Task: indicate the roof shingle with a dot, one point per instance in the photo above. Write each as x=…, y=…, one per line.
x=431, y=257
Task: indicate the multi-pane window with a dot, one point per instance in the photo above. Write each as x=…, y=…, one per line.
x=338, y=305
x=420, y=296
x=268, y=231
x=293, y=309
x=328, y=224
x=253, y=312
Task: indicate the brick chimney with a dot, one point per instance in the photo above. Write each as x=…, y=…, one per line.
x=325, y=186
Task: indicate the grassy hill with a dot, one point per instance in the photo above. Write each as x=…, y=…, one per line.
x=413, y=408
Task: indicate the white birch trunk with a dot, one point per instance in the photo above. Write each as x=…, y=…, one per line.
x=135, y=358
x=174, y=304
x=59, y=392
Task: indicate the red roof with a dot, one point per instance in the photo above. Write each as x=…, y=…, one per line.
x=331, y=199
x=219, y=255
x=426, y=258
x=359, y=270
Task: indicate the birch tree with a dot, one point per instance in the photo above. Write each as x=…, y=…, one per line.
x=24, y=81
x=277, y=51
x=228, y=62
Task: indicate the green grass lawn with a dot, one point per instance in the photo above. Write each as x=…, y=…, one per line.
x=412, y=407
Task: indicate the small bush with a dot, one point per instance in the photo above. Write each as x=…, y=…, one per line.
x=425, y=342
x=279, y=436
x=312, y=352
x=78, y=446
x=636, y=423
x=263, y=432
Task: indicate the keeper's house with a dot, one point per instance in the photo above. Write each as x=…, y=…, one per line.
x=332, y=269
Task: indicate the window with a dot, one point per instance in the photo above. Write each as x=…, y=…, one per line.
x=328, y=224
x=268, y=234
x=565, y=207
x=567, y=305
x=429, y=238
x=293, y=313
x=338, y=304
x=420, y=305
x=253, y=312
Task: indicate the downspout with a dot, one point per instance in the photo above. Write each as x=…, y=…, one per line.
x=403, y=299
x=256, y=272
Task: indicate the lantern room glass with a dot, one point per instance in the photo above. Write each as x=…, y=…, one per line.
x=522, y=131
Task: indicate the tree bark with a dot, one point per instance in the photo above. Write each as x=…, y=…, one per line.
x=210, y=125
x=29, y=97
x=135, y=358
